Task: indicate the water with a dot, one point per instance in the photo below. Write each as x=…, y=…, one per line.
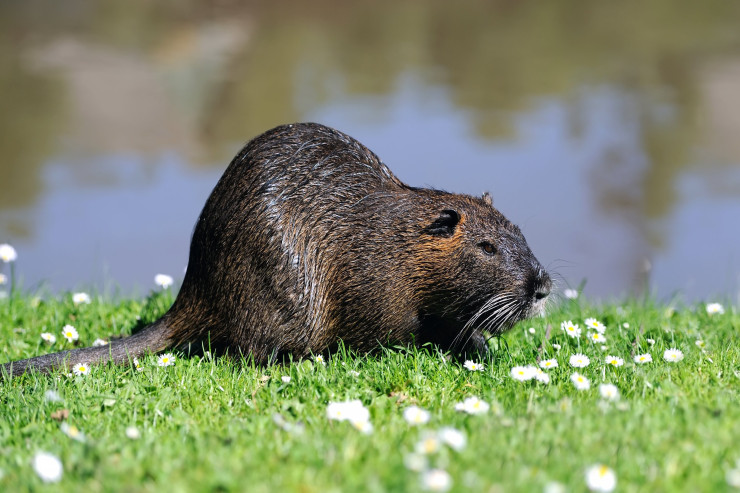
x=609, y=132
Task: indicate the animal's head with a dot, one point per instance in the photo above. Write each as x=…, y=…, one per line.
x=488, y=278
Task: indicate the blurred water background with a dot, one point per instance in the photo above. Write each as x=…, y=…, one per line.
x=610, y=131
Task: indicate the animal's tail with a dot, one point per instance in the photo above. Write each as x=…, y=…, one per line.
x=152, y=338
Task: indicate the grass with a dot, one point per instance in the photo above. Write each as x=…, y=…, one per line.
x=218, y=425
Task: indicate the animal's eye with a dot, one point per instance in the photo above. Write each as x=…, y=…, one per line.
x=487, y=248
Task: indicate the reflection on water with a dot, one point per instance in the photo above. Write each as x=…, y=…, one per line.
x=609, y=131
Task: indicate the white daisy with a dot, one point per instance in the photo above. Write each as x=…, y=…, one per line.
x=523, y=373
x=48, y=467
x=673, y=355
x=548, y=363
x=715, y=309
x=166, y=359
x=80, y=298
x=454, y=438
x=7, y=253
x=579, y=360
x=319, y=360
x=347, y=411
x=415, y=415
x=580, y=382
x=556, y=347
x=596, y=325
x=81, y=369
x=416, y=462
x=364, y=426
x=429, y=443
x=472, y=366
x=285, y=379
x=436, y=480
x=614, y=360
x=72, y=432
x=472, y=405
x=609, y=391
x=133, y=433
x=597, y=337
x=137, y=365
x=570, y=328
x=650, y=341
x=700, y=344
x=49, y=337
x=600, y=478
x=99, y=342
x=643, y=358
x=163, y=281
x=531, y=330
x=571, y=294
x=70, y=333
x=541, y=376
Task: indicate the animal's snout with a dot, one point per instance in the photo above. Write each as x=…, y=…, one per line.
x=542, y=284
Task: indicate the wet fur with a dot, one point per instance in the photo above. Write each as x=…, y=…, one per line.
x=309, y=239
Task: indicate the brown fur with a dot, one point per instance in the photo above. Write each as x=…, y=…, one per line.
x=309, y=239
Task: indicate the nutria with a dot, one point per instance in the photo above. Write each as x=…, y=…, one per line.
x=308, y=239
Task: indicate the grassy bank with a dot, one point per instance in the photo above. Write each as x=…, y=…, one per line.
x=215, y=425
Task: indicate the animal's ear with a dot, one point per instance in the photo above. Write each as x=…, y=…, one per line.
x=487, y=198
x=445, y=224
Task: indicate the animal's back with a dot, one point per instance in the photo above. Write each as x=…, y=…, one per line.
x=274, y=236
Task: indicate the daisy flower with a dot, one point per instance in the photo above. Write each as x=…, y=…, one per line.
x=715, y=309
x=472, y=366
x=597, y=337
x=7, y=253
x=70, y=333
x=673, y=355
x=163, y=281
x=522, y=373
x=166, y=359
x=364, y=426
x=472, y=405
x=592, y=323
x=548, y=363
x=436, y=480
x=580, y=382
x=650, y=341
x=571, y=294
x=643, y=358
x=99, y=342
x=285, y=379
x=49, y=337
x=79, y=298
x=454, y=438
x=614, y=360
x=571, y=329
x=556, y=347
x=579, y=360
x=319, y=360
x=48, y=467
x=600, y=478
x=700, y=344
x=133, y=433
x=415, y=462
x=531, y=330
x=72, y=432
x=81, y=369
x=137, y=365
x=541, y=376
x=626, y=325
x=347, y=411
x=609, y=391
x=430, y=443
x=415, y=415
